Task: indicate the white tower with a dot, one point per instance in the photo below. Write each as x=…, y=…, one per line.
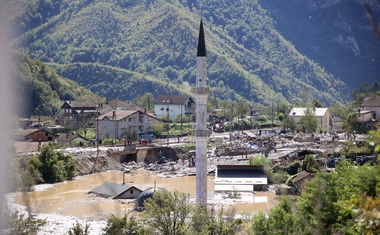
x=201, y=134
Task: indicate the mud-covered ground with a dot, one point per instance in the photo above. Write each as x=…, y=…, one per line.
x=281, y=149
x=225, y=151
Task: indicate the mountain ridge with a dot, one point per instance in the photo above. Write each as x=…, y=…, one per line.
x=247, y=57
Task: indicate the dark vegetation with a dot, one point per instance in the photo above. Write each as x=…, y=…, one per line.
x=49, y=166
x=40, y=90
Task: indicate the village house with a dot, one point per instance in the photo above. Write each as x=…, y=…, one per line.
x=125, y=123
x=117, y=104
x=73, y=113
x=173, y=106
x=242, y=178
x=116, y=190
x=29, y=140
x=34, y=135
x=369, y=110
x=338, y=124
x=323, y=116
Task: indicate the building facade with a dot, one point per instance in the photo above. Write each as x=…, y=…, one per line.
x=73, y=113
x=242, y=178
x=370, y=109
x=122, y=124
x=173, y=106
x=323, y=116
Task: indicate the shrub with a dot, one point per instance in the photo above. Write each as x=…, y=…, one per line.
x=78, y=229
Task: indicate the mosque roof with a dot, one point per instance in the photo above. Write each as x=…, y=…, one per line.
x=145, y=195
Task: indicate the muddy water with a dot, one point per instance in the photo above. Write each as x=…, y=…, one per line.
x=71, y=198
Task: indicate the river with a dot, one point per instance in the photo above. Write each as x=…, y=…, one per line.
x=71, y=198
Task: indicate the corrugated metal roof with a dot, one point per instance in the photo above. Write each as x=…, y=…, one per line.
x=111, y=189
x=172, y=99
x=244, y=171
x=319, y=112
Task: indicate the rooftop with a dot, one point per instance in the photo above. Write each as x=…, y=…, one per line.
x=111, y=189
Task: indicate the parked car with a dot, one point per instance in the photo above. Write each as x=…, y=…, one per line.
x=360, y=160
x=333, y=161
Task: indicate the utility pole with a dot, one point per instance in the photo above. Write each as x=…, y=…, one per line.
x=39, y=130
x=181, y=120
x=167, y=123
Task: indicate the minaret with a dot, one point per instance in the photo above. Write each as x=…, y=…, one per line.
x=201, y=134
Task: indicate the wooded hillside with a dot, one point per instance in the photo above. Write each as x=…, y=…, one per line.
x=39, y=90
x=125, y=48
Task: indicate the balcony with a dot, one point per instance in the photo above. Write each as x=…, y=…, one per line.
x=200, y=90
x=201, y=133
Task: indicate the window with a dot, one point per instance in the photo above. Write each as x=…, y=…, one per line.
x=162, y=108
x=131, y=191
x=129, y=119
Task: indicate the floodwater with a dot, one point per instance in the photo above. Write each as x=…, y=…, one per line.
x=71, y=198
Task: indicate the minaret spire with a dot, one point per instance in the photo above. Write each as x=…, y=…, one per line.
x=201, y=42
x=201, y=134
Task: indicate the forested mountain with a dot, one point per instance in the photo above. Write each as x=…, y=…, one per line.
x=40, y=90
x=123, y=48
x=335, y=33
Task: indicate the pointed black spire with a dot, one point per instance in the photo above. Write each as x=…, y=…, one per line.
x=201, y=42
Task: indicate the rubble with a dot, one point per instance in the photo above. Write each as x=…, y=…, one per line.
x=280, y=149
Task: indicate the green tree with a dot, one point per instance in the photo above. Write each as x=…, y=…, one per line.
x=126, y=225
x=316, y=104
x=304, y=95
x=78, y=229
x=310, y=164
x=259, y=160
x=290, y=123
x=146, y=101
x=168, y=212
x=242, y=109
x=280, y=221
x=308, y=120
x=21, y=224
x=322, y=205
x=54, y=166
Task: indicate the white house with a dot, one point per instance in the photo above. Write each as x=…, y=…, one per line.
x=370, y=109
x=242, y=178
x=174, y=105
x=124, y=123
x=323, y=116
